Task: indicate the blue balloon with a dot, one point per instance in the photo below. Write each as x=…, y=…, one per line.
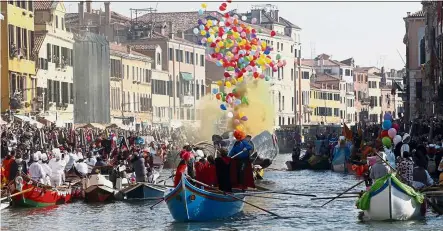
x=387, y=116
x=214, y=91
x=386, y=124
x=200, y=12
x=223, y=107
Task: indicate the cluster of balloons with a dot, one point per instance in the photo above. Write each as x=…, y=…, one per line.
x=389, y=130
x=234, y=45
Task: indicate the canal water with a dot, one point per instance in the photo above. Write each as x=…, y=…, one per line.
x=300, y=212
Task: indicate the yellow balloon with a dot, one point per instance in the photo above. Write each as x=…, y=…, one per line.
x=204, y=5
x=253, y=47
x=241, y=114
x=228, y=84
x=268, y=60
x=233, y=81
x=263, y=44
x=236, y=35
x=210, y=39
x=203, y=32
x=239, y=80
x=220, y=44
x=209, y=22
x=219, y=83
x=240, y=127
x=217, y=49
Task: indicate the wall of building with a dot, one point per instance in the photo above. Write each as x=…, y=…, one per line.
x=325, y=98
x=19, y=71
x=91, y=79
x=374, y=95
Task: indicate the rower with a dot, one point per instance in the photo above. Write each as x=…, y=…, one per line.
x=241, y=151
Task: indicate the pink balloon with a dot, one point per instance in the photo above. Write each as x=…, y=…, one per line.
x=392, y=132
x=236, y=122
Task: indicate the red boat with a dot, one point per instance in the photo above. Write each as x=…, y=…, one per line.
x=38, y=195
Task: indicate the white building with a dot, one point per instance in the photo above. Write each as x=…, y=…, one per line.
x=374, y=93
x=343, y=71
x=53, y=54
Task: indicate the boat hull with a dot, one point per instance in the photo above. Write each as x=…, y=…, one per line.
x=98, y=193
x=189, y=203
x=40, y=197
x=142, y=191
x=390, y=202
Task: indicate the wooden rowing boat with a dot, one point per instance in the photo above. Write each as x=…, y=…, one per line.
x=142, y=191
x=389, y=199
x=189, y=203
x=38, y=195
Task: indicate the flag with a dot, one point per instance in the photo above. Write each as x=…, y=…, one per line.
x=347, y=133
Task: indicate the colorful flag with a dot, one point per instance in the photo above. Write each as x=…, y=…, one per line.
x=347, y=133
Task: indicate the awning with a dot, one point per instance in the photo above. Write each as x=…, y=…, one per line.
x=31, y=121
x=186, y=76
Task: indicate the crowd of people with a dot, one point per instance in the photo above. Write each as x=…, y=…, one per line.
x=50, y=155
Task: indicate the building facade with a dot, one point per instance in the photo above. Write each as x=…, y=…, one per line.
x=53, y=54
x=374, y=94
x=184, y=62
x=325, y=103
x=415, y=32
x=18, y=81
x=362, y=99
x=130, y=93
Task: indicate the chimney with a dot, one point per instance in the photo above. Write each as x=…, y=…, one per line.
x=181, y=34
x=88, y=6
x=107, y=13
x=276, y=17
x=171, y=30
x=129, y=49
x=81, y=13
x=408, y=13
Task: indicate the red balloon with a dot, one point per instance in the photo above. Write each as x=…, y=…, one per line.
x=384, y=133
x=273, y=33
x=222, y=8
x=256, y=74
x=227, y=75
x=224, y=4
x=227, y=16
x=396, y=126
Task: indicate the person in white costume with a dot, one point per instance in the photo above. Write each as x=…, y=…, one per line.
x=46, y=168
x=57, y=167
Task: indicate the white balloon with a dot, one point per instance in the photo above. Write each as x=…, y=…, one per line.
x=244, y=18
x=230, y=114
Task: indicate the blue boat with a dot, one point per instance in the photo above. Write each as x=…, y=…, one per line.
x=143, y=191
x=187, y=202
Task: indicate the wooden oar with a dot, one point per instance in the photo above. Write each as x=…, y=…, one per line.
x=157, y=203
x=277, y=192
x=275, y=198
x=326, y=198
x=231, y=195
x=16, y=194
x=343, y=193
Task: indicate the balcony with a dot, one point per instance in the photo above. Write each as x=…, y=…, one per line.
x=365, y=101
x=187, y=100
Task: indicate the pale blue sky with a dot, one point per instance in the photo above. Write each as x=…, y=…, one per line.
x=371, y=32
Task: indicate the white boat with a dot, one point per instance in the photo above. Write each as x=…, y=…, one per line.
x=391, y=202
x=98, y=188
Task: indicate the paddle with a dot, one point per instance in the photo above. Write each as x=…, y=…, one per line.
x=326, y=198
x=277, y=192
x=275, y=198
x=166, y=179
x=16, y=194
x=157, y=203
x=229, y=194
x=343, y=193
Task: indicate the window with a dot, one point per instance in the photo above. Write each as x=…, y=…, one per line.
x=292, y=74
x=133, y=73
x=295, y=53
x=305, y=75
x=171, y=54
x=127, y=71
x=65, y=92
x=187, y=57
x=177, y=55
x=202, y=61
x=341, y=71
x=419, y=90
x=56, y=21
x=347, y=72
x=63, y=23
x=71, y=94
x=181, y=56
x=192, y=57
x=292, y=103
x=159, y=59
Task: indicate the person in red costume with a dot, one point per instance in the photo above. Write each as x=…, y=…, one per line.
x=182, y=166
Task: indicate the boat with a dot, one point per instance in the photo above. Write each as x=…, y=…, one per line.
x=98, y=188
x=189, y=203
x=32, y=194
x=314, y=163
x=390, y=199
x=142, y=190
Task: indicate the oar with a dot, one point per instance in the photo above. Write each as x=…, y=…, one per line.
x=277, y=192
x=166, y=179
x=16, y=194
x=326, y=198
x=157, y=203
x=232, y=157
x=229, y=194
x=343, y=193
x=275, y=198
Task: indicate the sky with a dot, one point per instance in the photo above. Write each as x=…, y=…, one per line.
x=370, y=32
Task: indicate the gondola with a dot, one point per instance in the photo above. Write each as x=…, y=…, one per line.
x=33, y=194
x=187, y=202
x=390, y=199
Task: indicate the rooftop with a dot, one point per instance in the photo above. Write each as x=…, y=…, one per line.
x=44, y=5
x=118, y=49
x=326, y=78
